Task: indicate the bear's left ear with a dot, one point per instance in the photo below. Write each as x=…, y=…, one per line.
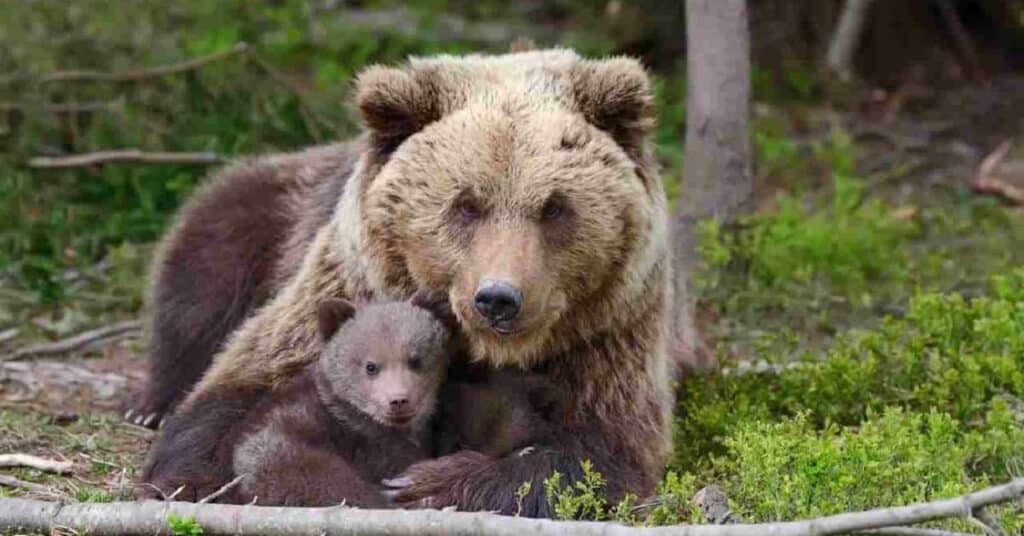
x=437, y=304
x=396, y=103
x=615, y=96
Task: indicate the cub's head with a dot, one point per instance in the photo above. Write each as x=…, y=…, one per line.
x=387, y=359
x=522, y=185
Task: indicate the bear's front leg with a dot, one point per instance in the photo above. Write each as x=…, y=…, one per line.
x=471, y=481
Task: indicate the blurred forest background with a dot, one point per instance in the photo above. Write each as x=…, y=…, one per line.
x=875, y=290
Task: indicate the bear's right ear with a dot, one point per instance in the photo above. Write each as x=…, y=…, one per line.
x=331, y=314
x=395, y=103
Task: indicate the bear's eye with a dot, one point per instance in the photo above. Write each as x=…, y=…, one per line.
x=552, y=209
x=371, y=368
x=468, y=208
x=415, y=363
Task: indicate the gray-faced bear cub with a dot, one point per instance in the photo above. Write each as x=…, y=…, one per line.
x=361, y=414
x=356, y=416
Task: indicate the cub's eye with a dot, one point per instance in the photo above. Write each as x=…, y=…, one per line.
x=552, y=209
x=468, y=208
x=415, y=363
x=371, y=368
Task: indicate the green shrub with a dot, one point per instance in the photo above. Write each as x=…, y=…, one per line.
x=949, y=354
x=184, y=526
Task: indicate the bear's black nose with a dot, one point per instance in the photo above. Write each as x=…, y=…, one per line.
x=498, y=301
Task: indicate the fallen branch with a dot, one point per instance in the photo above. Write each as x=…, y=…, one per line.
x=150, y=518
x=35, y=462
x=123, y=155
x=986, y=182
x=109, y=333
x=141, y=74
x=54, y=378
x=14, y=482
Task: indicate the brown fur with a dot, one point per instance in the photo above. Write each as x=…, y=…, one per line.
x=509, y=134
x=230, y=249
x=328, y=434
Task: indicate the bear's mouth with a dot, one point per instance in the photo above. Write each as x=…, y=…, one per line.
x=505, y=329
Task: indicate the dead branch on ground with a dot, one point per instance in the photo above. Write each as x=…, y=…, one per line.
x=34, y=375
x=123, y=155
x=14, y=482
x=986, y=180
x=105, y=334
x=135, y=75
x=150, y=517
x=35, y=462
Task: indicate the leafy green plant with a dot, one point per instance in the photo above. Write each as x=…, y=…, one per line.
x=184, y=526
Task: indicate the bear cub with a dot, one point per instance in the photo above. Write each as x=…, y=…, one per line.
x=359, y=414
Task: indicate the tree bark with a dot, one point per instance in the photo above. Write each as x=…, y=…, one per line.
x=718, y=177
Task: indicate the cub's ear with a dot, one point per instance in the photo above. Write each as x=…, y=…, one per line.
x=396, y=103
x=331, y=314
x=438, y=305
x=615, y=96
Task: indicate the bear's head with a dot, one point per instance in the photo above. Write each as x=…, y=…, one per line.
x=520, y=184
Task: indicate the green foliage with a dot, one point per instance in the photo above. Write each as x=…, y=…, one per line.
x=949, y=354
x=93, y=495
x=843, y=246
x=897, y=458
x=582, y=499
x=184, y=526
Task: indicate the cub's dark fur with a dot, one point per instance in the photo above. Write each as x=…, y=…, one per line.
x=358, y=415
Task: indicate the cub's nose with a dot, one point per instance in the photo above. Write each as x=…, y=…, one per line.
x=498, y=301
x=399, y=404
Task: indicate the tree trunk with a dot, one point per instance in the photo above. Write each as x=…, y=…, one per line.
x=718, y=178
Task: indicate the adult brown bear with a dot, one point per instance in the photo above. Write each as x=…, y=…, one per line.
x=523, y=185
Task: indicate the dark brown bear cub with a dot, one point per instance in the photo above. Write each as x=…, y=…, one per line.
x=356, y=416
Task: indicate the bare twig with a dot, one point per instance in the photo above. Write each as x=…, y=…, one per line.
x=986, y=182
x=135, y=75
x=109, y=333
x=35, y=462
x=14, y=482
x=150, y=518
x=846, y=37
x=123, y=155
x=223, y=489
